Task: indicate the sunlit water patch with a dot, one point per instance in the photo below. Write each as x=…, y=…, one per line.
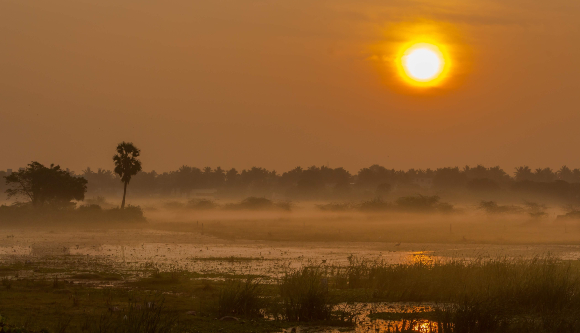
x=383, y=318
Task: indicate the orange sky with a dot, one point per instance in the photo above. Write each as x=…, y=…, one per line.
x=238, y=83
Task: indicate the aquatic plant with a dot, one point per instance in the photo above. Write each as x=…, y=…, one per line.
x=305, y=295
x=239, y=297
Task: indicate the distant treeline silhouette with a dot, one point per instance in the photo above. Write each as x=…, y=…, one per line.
x=324, y=182
x=315, y=181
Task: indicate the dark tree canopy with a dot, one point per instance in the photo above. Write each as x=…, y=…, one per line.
x=126, y=164
x=46, y=185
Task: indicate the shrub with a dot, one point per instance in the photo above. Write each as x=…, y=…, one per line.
x=99, y=200
x=256, y=203
x=418, y=203
x=335, y=207
x=173, y=205
x=305, y=295
x=491, y=207
x=241, y=298
x=201, y=204
x=286, y=205
x=91, y=213
x=376, y=204
x=541, y=284
x=146, y=316
x=128, y=214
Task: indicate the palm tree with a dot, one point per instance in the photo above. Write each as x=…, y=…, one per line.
x=524, y=173
x=126, y=164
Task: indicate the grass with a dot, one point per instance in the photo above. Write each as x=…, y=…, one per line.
x=140, y=316
x=539, y=284
x=305, y=295
x=91, y=308
x=485, y=295
x=95, y=276
x=500, y=295
x=243, y=298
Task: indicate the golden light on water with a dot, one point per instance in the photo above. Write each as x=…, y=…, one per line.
x=423, y=64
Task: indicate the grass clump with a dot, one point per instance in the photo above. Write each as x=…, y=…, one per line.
x=140, y=316
x=305, y=295
x=241, y=297
x=7, y=283
x=540, y=284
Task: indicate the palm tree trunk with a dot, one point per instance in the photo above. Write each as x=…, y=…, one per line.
x=124, y=194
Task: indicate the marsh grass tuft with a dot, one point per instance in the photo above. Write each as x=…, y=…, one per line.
x=56, y=284
x=7, y=283
x=305, y=295
x=539, y=284
x=146, y=315
x=239, y=297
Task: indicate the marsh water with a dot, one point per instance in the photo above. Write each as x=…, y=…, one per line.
x=128, y=251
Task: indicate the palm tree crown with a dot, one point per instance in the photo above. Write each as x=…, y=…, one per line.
x=126, y=164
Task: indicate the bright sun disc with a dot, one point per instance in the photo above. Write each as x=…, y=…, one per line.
x=423, y=63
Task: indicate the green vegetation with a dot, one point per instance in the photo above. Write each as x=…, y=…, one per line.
x=305, y=295
x=243, y=298
x=500, y=295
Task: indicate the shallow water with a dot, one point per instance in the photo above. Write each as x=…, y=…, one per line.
x=134, y=253
x=131, y=249
x=364, y=324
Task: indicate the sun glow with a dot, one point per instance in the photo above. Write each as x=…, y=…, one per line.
x=423, y=64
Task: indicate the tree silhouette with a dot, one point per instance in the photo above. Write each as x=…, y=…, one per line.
x=51, y=185
x=126, y=164
x=523, y=173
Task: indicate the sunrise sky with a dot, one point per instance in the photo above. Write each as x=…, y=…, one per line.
x=277, y=84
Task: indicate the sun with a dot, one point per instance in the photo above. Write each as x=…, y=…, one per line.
x=423, y=64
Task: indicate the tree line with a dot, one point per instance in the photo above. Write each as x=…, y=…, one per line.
x=316, y=178
x=40, y=184
x=52, y=186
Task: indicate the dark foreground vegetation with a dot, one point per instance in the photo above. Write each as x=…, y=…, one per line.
x=502, y=295
x=24, y=214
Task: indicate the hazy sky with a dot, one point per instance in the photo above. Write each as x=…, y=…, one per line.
x=282, y=83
